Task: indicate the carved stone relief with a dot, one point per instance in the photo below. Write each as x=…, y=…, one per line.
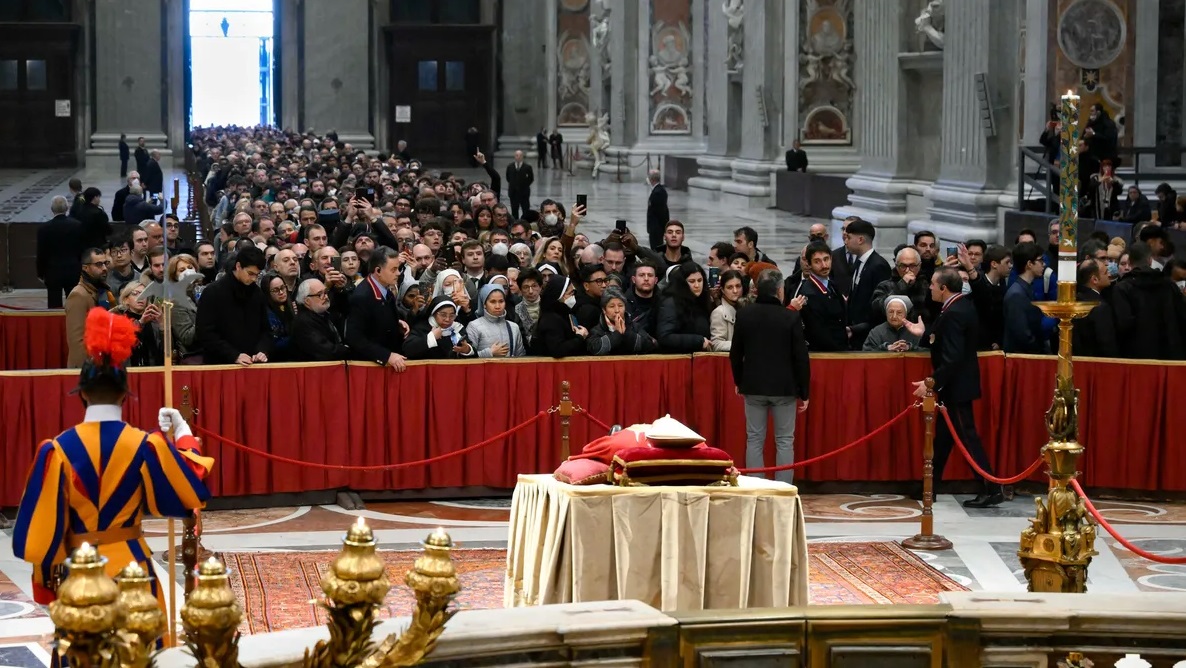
x=930, y=25
x=734, y=11
x=1091, y=33
x=825, y=64
x=670, y=69
x=573, y=51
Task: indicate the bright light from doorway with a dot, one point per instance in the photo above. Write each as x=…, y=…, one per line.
x=231, y=62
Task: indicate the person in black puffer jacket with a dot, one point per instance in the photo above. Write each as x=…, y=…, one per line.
x=615, y=333
x=555, y=334
x=438, y=335
x=683, y=320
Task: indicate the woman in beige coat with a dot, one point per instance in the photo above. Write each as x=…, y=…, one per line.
x=723, y=317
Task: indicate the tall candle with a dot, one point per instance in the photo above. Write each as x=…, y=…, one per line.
x=1068, y=169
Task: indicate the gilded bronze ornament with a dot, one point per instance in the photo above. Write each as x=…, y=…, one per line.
x=211, y=618
x=143, y=621
x=1057, y=547
x=86, y=612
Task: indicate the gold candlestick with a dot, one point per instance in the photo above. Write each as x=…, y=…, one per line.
x=1057, y=547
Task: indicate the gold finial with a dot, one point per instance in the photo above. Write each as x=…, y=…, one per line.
x=211, y=617
x=360, y=534
x=143, y=620
x=85, y=554
x=439, y=538
x=86, y=610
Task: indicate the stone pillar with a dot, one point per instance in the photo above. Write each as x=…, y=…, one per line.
x=526, y=106
x=570, y=64
x=975, y=169
x=671, y=65
x=762, y=81
x=880, y=110
x=624, y=74
x=130, y=79
x=289, y=63
x=337, y=71
x=1144, y=104
x=176, y=114
x=714, y=168
x=1036, y=84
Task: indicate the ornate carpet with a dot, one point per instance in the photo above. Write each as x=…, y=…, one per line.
x=278, y=590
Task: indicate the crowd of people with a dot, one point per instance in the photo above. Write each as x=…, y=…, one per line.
x=324, y=252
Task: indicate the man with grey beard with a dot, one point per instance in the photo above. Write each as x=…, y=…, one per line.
x=314, y=337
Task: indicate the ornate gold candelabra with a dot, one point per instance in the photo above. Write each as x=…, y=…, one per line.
x=104, y=625
x=1057, y=547
x=86, y=612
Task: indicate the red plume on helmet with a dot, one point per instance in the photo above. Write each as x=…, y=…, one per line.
x=109, y=338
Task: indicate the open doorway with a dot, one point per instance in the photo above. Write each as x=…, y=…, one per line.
x=231, y=62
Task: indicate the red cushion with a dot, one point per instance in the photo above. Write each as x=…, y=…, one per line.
x=582, y=472
x=648, y=465
x=604, y=448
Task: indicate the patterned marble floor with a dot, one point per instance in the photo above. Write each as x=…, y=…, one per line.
x=983, y=558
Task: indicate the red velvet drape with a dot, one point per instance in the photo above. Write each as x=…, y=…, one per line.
x=361, y=414
x=32, y=340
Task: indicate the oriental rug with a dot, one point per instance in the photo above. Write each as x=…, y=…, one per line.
x=278, y=590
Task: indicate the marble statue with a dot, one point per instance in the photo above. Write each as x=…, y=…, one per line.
x=599, y=29
x=734, y=11
x=839, y=70
x=930, y=23
x=661, y=76
x=598, y=139
x=813, y=63
x=682, y=81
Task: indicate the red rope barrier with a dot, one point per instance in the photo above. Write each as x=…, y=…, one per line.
x=975, y=467
x=1121, y=539
x=384, y=467
x=599, y=423
x=860, y=441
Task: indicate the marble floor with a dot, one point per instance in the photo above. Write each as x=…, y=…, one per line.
x=983, y=557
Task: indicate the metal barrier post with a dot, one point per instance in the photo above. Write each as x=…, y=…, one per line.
x=927, y=539
x=565, y=414
x=190, y=542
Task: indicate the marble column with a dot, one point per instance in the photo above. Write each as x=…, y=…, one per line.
x=1144, y=103
x=526, y=104
x=880, y=111
x=176, y=113
x=289, y=63
x=976, y=167
x=670, y=88
x=1037, y=96
x=624, y=76
x=762, y=82
x=130, y=78
x=337, y=72
x=722, y=85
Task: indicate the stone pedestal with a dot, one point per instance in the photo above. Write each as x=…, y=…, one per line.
x=880, y=102
x=337, y=71
x=130, y=82
x=976, y=163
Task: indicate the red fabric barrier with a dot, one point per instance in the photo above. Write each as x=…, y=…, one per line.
x=32, y=340
x=363, y=414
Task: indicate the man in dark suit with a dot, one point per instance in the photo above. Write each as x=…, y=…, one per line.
x=124, y=155
x=519, y=179
x=121, y=196
x=841, y=259
x=95, y=226
x=374, y=330
x=867, y=270
x=771, y=370
x=314, y=337
x=59, y=253
x=1095, y=334
x=141, y=155
x=657, y=213
x=956, y=374
x=824, y=312
x=153, y=179
x=796, y=158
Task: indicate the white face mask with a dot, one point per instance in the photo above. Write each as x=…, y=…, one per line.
x=550, y=219
x=966, y=289
x=570, y=302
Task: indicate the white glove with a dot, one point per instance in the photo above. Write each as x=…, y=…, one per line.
x=187, y=272
x=170, y=418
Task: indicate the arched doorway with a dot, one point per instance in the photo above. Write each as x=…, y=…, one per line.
x=231, y=57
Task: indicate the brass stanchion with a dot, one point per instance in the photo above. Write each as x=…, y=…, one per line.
x=1057, y=547
x=565, y=413
x=927, y=539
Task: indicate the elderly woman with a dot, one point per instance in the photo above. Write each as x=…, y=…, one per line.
x=492, y=334
x=440, y=335
x=615, y=334
x=449, y=283
x=182, y=274
x=892, y=335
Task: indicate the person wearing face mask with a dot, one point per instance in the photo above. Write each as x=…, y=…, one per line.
x=313, y=336
x=439, y=336
x=892, y=335
x=449, y=284
x=492, y=334
x=556, y=332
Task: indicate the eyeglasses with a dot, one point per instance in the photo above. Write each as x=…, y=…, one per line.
x=278, y=291
x=318, y=295
x=914, y=265
x=598, y=281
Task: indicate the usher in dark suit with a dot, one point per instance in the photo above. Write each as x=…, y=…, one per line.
x=957, y=383
x=825, y=315
x=860, y=298
x=657, y=215
x=59, y=257
x=373, y=331
x=519, y=179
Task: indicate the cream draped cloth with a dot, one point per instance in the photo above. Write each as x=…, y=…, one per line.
x=674, y=548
